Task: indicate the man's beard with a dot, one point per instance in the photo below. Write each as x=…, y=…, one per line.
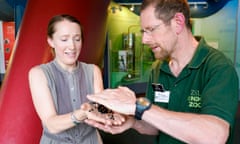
x=162, y=55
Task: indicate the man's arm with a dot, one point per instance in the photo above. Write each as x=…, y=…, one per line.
x=190, y=128
x=140, y=126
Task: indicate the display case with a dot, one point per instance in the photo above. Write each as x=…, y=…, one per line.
x=128, y=60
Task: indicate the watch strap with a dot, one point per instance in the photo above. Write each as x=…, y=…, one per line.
x=139, y=111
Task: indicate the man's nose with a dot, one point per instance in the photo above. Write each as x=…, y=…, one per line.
x=145, y=38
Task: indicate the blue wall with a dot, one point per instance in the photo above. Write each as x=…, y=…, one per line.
x=221, y=30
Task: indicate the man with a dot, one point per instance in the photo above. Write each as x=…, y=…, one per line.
x=192, y=95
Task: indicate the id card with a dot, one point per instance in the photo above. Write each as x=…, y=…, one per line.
x=160, y=94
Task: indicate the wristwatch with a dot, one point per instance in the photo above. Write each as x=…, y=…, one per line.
x=142, y=104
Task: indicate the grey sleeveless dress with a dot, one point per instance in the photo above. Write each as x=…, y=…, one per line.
x=69, y=91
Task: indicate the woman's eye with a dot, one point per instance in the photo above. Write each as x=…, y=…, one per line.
x=63, y=40
x=77, y=39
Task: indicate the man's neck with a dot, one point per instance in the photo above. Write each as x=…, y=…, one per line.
x=183, y=54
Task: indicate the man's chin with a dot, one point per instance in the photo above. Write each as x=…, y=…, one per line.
x=158, y=57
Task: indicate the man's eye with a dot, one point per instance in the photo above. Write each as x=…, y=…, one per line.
x=150, y=29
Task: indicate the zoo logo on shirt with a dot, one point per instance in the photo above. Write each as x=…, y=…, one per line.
x=194, y=100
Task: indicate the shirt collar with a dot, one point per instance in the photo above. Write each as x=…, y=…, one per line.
x=198, y=58
x=200, y=55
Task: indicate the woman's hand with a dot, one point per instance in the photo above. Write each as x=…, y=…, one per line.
x=101, y=114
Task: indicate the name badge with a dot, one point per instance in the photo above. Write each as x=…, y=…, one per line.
x=162, y=96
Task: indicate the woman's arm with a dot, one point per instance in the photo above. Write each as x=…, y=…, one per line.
x=44, y=104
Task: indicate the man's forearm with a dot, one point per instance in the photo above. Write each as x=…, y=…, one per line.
x=190, y=128
x=144, y=128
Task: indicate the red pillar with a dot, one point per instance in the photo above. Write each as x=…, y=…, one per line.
x=19, y=123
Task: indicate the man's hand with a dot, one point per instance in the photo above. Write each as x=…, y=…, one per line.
x=121, y=100
x=113, y=129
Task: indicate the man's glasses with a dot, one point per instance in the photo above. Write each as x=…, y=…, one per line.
x=150, y=30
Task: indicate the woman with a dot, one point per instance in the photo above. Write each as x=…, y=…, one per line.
x=59, y=88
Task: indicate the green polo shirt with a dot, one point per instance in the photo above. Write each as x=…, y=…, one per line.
x=207, y=85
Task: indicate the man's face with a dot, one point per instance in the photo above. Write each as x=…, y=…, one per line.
x=156, y=34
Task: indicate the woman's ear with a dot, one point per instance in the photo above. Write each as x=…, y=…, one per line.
x=50, y=42
x=180, y=22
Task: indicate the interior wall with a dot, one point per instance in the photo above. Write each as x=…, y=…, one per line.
x=221, y=30
x=237, y=55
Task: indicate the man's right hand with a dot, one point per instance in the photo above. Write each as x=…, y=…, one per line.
x=113, y=129
x=121, y=100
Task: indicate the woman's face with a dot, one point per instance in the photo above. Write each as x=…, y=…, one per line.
x=67, y=42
